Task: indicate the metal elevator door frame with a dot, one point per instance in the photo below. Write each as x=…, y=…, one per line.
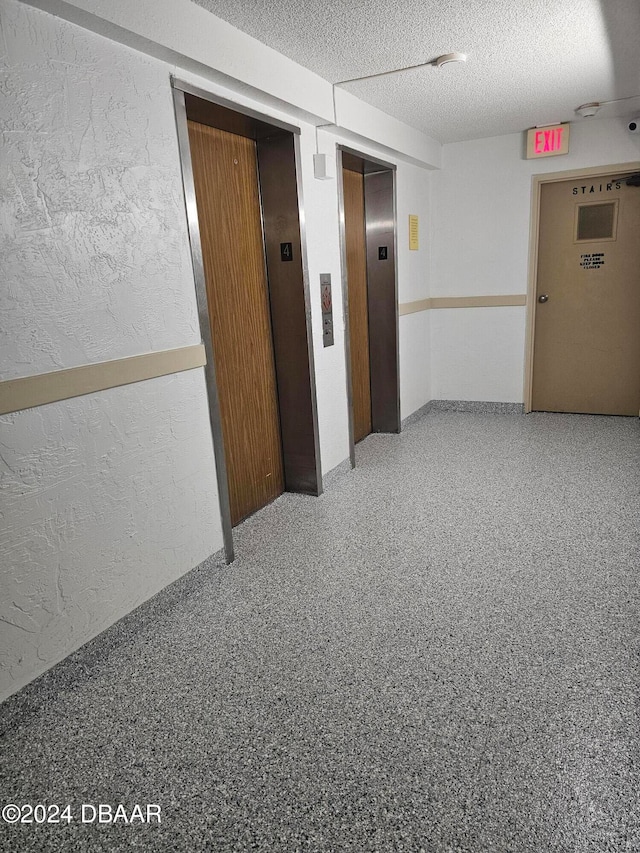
x=382, y=289
x=301, y=445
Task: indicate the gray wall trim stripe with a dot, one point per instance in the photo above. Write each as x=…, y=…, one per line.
x=417, y=415
x=336, y=473
x=77, y=666
x=30, y=391
x=480, y=407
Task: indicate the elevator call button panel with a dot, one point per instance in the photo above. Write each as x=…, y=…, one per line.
x=327, y=309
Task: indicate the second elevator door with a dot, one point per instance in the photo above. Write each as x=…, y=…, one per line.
x=227, y=194
x=356, y=250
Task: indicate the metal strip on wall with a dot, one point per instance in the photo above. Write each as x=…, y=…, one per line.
x=30, y=391
x=382, y=299
x=203, y=317
x=345, y=306
x=306, y=285
x=183, y=86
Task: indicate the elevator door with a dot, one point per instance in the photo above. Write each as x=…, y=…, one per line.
x=356, y=251
x=227, y=194
x=587, y=345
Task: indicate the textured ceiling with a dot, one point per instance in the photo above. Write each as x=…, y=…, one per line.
x=529, y=63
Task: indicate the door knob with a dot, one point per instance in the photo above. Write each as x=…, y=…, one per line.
x=543, y=298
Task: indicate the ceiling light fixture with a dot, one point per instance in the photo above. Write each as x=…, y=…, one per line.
x=438, y=62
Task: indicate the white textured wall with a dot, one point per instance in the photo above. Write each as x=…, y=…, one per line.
x=323, y=247
x=414, y=284
x=108, y=497
x=482, y=204
x=94, y=250
x=184, y=34
x=478, y=354
x=415, y=362
x=104, y=503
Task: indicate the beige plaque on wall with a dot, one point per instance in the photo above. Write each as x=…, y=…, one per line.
x=413, y=231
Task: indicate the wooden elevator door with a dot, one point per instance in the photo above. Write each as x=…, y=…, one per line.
x=226, y=183
x=355, y=240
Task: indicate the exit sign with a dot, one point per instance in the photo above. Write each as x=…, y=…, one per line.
x=547, y=141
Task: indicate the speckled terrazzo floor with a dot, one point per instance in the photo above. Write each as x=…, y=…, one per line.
x=439, y=654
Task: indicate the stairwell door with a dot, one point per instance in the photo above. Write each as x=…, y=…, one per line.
x=227, y=194
x=587, y=320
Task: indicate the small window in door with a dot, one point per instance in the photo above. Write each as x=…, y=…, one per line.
x=596, y=221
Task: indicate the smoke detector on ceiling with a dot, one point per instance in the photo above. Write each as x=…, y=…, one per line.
x=449, y=57
x=438, y=62
x=588, y=110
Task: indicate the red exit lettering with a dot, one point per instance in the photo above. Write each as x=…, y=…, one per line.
x=548, y=140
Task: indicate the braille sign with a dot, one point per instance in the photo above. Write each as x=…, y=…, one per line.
x=413, y=232
x=382, y=253
x=286, y=252
x=327, y=310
